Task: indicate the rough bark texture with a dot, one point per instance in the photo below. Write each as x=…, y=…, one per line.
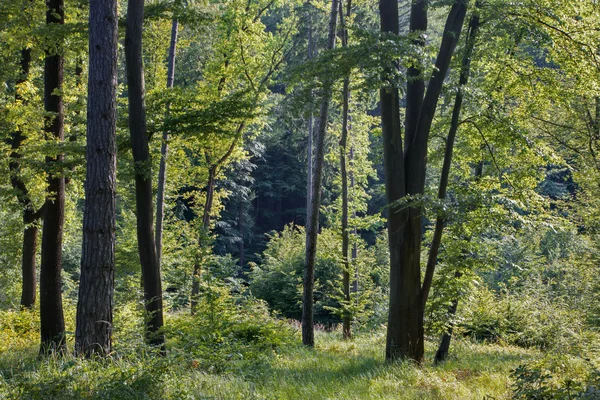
x=143, y=177
x=164, y=149
x=405, y=175
x=52, y=324
x=347, y=318
x=308, y=334
x=30, y=215
x=96, y=287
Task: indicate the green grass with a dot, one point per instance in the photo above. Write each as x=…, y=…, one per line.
x=335, y=369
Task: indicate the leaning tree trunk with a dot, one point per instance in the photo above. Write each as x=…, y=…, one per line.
x=95, y=302
x=143, y=176
x=164, y=150
x=52, y=323
x=308, y=334
x=30, y=215
x=347, y=318
x=441, y=219
x=405, y=175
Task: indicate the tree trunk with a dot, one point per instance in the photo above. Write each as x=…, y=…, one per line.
x=204, y=230
x=442, y=352
x=347, y=318
x=30, y=216
x=308, y=334
x=52, y=324
x=95, y=302
x=143, y=177
x=441, y=219
x=164, y=150
x=405, y=175
x=309, y=146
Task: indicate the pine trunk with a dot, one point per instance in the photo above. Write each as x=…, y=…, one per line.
x=95, y=302
x=143, y=176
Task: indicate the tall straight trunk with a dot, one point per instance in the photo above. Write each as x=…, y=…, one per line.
x=405, y=175
x=164, y=149
x=143, y=176
x=52, y=323
x=308, y=334
x=30, y=215
x=309, y=146
x=347, y=318
x=241, y=228
x=441, y=219
x=354, y=288
x=95, y=302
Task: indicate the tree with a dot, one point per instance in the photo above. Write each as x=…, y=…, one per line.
x=164, y=150
x=143, y=177
x=31, y=216
x=344, y=173
x=52, y=323
x=308, y=334
x=95, y=303
x=405, y=174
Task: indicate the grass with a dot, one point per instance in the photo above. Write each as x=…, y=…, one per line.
x=334, y=369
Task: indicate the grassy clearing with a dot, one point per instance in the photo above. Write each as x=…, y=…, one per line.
x=335, y=369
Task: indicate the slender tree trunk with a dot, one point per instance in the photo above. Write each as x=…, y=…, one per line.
x=354, y=288
x=347, y=318
x=308, y=334
x=95, y=302
x=309, y=162
x=441, y=219
x=442, y=352
x=405, y=175
x=241, y=228
x=204, y=231
x=143, y=177
x=52, y=324
x=164, y=150
x=30, y=216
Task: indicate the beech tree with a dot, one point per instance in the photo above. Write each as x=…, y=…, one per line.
x=95, y=301
x=308, y=334
x=405, y=168
x=52, y=323
x=143, y=177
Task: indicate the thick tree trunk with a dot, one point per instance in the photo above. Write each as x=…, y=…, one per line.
x=95, y=302
x=52, y=324
x=143, y=177
x=405, y=175
x=308, y=334
x=30, y=216
x=347, y=318
x=164, y=150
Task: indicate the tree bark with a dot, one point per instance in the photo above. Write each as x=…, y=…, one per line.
x=95, y=302
x=441, y=219
x=347, y=318
x=309, y=146
x=52, y=324
x=405, y=175
x=143, y=177
x=30, y=215
x=164, y=150
x=308, y=334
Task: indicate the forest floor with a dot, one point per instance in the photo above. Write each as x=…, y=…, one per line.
x=335, y=369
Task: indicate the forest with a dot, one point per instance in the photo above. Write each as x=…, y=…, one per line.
x=299, y=199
